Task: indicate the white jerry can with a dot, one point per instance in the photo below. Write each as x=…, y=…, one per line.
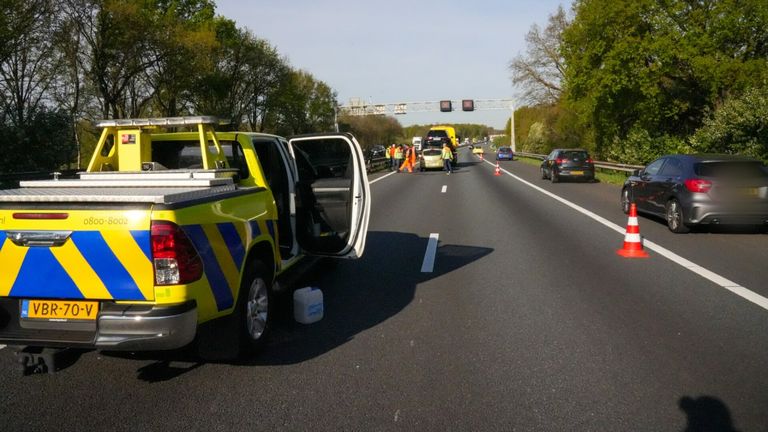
x=308, y=305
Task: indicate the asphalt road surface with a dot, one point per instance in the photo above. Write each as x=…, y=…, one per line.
x=525, y=318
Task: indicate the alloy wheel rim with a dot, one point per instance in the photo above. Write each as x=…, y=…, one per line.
x=625, y=201
x=257, y=309
x=673, y=216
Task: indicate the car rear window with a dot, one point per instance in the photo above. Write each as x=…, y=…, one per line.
x=731, y=169
x=437, y=134
x=505, y=150
x=431, y=152
x=569, y=154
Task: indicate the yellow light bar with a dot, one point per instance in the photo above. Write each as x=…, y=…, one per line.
x=161, y=121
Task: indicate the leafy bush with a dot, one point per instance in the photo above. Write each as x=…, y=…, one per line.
x=740, y=126
x=640, y=147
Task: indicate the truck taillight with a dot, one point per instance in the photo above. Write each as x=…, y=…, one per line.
x=175, y=259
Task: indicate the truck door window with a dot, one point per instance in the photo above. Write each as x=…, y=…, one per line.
x=274, y=170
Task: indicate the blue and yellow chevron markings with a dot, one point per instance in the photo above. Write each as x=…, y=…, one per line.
x=222, y=247
x=255, y=229
x=220, y=269
x=234, y=242
x=271, y=229
x=91, y=265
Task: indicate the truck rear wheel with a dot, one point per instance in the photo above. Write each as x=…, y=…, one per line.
x=254, y=309
x=245, y=331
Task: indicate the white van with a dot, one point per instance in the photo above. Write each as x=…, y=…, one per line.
x=416, y=141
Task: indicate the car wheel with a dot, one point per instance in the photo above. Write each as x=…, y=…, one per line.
x=543, y=174
x=554, y=177
x=255, y=309
x=674, y=216
x=625, y=202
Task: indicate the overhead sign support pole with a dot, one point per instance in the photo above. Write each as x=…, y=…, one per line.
x=512, y=127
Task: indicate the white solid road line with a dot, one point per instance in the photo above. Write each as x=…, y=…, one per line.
x=445, y=188
x=382, y=177
x=2, y=346
x=429, y=256
x=699, y=270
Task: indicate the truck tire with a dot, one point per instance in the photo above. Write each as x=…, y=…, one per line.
x=245, y=331
x=254, y=309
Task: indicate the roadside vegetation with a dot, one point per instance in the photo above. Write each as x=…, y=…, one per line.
x=386, y=130
x=632, y=80
x=66, y=62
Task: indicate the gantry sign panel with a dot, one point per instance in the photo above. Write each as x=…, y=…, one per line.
x=357, y=108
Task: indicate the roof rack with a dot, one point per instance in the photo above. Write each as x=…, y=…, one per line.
x=161, y=121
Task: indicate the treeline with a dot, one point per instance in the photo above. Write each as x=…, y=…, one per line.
x=374, y=130
x=463, y=130
x=633, y=79
x=66, y=62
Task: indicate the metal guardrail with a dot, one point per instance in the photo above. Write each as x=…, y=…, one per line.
x=598, y=164
x=377, y=163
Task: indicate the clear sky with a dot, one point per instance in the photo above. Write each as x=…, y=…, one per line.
x=391, y=51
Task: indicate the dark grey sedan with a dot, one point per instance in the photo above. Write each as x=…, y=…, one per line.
x=563, y=164
x=689, y=190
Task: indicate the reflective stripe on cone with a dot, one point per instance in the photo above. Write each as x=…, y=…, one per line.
x=633, y=243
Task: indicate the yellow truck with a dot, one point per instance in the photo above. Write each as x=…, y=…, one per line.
x=173, y=237
x=439, y=135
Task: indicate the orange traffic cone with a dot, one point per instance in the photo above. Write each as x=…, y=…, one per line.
x=498, y=170
x=633, y=245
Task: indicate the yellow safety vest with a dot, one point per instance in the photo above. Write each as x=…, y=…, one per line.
x=398, y=153
x=447, y=154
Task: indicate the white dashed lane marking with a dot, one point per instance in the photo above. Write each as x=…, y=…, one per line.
x=429, y=255
x=445, y=188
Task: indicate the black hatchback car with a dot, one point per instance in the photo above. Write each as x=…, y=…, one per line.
x=568, y=163
x=689, y=190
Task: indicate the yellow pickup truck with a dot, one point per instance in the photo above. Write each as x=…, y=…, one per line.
x=169, y=237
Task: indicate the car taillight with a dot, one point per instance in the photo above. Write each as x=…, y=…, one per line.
x=589, y=161
x=559, y=161
x=175, y=259
x=698, y=185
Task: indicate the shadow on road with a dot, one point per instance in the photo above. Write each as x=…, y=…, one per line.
x=358, y=295
x=715, y=229
x=706, y=414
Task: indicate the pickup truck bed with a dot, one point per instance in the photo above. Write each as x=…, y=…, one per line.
x=170, y=187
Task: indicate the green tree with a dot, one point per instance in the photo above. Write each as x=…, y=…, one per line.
x=740, y=126
x=304, y=105
x=373, y=130
x=28, y=70
x=659, y=66
x=540, y=72
x=182, y=43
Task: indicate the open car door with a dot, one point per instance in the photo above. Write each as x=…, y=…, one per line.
x=333, y=198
